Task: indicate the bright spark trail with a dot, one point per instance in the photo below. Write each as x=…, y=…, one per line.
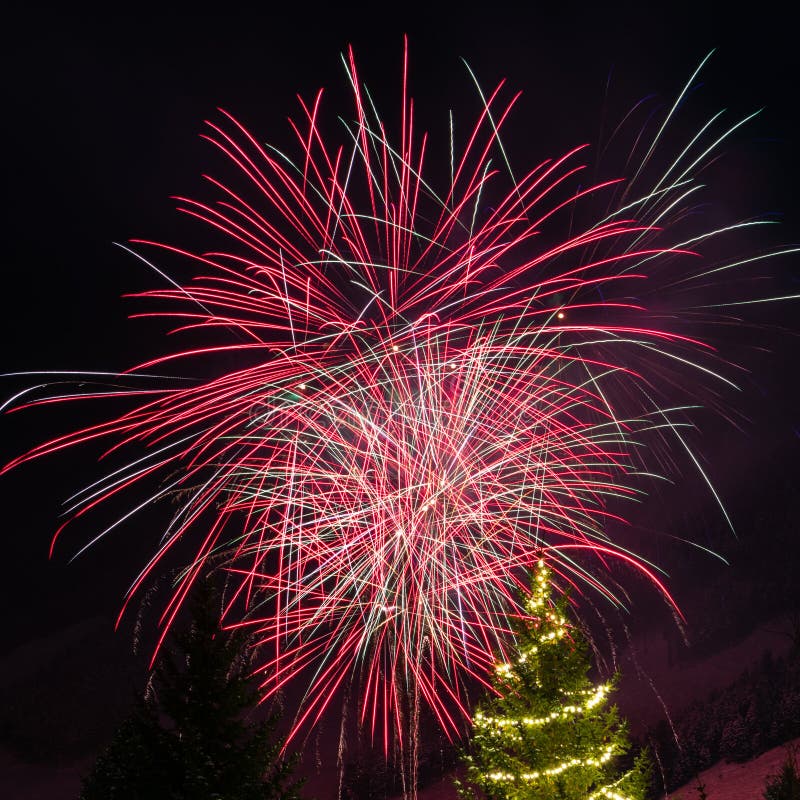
x=424, y=392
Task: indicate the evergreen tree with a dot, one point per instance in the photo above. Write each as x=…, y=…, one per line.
x=548, y=734
x=702, y=794
x=192, y=740
x=138, y=763
x=736, y=742
x=786, y=785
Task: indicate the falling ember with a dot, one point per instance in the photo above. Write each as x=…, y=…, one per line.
x=419, y=398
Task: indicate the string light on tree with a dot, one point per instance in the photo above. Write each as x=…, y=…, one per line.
x=548, y=733
x=477, y=362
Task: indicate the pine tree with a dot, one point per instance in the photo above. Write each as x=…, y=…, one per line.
x=786, y=785
x=548, y=733
x=192, y=739
x=139, y=762
x=702, y=794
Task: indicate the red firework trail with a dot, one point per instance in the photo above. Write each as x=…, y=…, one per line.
x=418, y=400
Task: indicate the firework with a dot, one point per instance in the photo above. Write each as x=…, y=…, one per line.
x=412, y=398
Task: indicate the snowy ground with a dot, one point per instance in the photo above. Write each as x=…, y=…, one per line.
x=745, y=781
x=59, y=679
x=723, y=781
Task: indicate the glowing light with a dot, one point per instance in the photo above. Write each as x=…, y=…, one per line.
x=512, y=746
x=382, y=527
x=508, y=777
x=597, y=696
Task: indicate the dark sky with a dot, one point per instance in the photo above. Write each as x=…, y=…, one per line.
x=102, y=114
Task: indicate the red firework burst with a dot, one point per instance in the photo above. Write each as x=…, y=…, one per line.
x=424, y=399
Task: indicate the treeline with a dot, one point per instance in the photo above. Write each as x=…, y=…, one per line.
x=757, y=712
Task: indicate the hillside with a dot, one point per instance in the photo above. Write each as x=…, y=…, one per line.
x=723, y=781
x=745, y=781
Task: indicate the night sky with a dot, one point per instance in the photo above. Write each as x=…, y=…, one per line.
x=102, y=116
